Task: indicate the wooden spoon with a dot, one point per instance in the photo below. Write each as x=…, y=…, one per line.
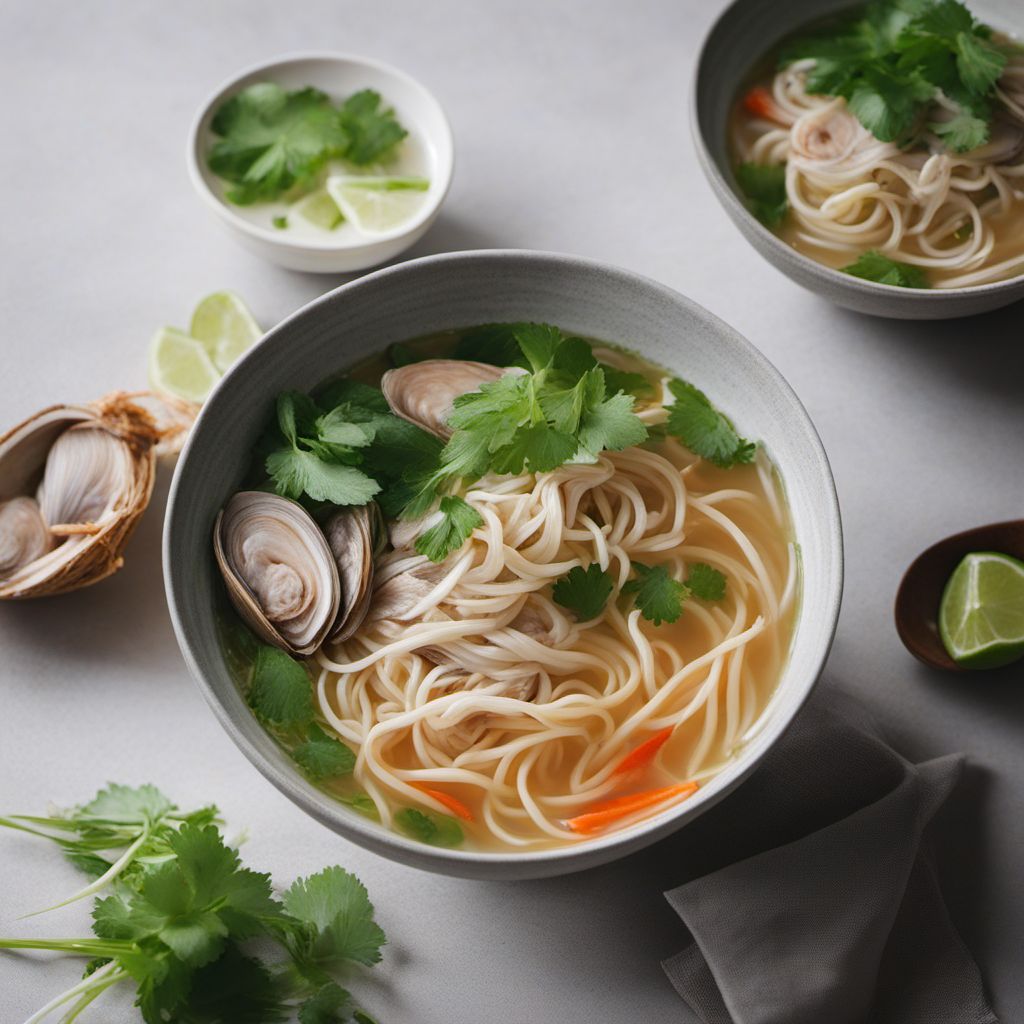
x=917, y=600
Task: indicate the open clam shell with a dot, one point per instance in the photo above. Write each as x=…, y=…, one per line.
x=424, y=393
x=90, y=470
x=280, y=573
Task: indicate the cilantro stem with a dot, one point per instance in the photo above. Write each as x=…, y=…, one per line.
x=94, y=981
x=89, y=995
x=105, y=879
x=74, y=947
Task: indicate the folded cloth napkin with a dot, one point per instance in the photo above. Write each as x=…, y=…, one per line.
x=812, y=899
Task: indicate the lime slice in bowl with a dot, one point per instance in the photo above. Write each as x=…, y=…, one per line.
x=318, y=209
x=180, y=366
x=377, y=205
x=224, y=326
x=981, y=615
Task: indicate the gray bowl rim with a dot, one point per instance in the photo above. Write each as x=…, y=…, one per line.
x=591, y=852
x=736, y=208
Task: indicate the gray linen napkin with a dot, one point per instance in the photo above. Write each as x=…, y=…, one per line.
x=812, y=899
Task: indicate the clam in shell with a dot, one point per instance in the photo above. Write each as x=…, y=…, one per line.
x=424, y=393
x=280, y=573
x=74, y=480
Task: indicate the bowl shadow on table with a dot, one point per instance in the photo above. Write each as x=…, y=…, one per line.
x=982, y=351
x=121, y=620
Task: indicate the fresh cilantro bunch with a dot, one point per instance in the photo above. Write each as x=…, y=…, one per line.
x=874, y=266
x=183, y=926
x=560, y=410
x=659, y=596
x=344, y=447
x=890, y=63
x=272, y=141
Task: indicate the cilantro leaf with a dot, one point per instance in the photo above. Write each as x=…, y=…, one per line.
x=126, y=805
x=235, y=988
x=873, y=266
x=539, y=448
x=281, y=691
x=635, y=384
x=458, y=520
x=764, y=186
x=327, y=1006
x=611, y=424
x=584, y=591
x=658, y=596
x=322, y=756
x=493, y=343
x=338, y=910
x=272, y=140
x=434, y=829
x=372, y=129
x=538, y=343
x=705, y=582
x=296, y=472
x=703, y=429
x=962, y=132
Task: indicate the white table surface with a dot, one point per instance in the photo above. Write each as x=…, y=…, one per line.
x=571, y=133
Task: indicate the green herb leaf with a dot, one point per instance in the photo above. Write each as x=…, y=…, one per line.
x=372, y=129
x=611, y=424
x=323, y=756
x=705, y=582
x=458, y=520
x=281, y=691
x=764, y=186
x=584, y=591
x=434, y=829
x=339, y=910
x=296, y=472
x=873, y=266
x=279, y=222
x=493, y=343
x=235, y=988
x=273, y=140
x=635, y=384
x=538, y=343
x=658, y=596
x=704, y=430
x=963, y=132
x=328, y=1006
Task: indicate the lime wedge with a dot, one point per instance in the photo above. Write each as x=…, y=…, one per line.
x=981, y=616
x=180, y=365
x=319, y=209
x=377, y=205
x=225, y=327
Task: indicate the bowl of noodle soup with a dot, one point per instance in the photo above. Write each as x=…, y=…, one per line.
x=570, y=656
x=922, y=223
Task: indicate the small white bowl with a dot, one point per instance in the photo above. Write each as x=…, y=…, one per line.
x=339, y=75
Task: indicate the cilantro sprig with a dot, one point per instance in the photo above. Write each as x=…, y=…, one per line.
x=458, y=520
x=272, y=141
x=764, y=187
x=874, y=266
x=890, y=63
x=703, y=429
x=561, y=409
x=660, y=596
x=190, y=927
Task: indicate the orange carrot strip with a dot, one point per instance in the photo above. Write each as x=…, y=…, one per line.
x=453, y=803
x=760, y=103
x=610, y=811
x=643, y=754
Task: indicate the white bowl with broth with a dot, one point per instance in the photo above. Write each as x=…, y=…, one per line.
x=450, y=292
x=733, y=57
x=427, y=152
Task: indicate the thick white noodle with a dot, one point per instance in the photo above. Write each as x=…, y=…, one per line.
x=487, y=683
x=930, y=207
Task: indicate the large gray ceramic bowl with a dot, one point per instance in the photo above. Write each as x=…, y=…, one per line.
x=745, y=33
x=460, y=290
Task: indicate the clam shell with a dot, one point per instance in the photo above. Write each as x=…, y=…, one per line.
x=93, y=547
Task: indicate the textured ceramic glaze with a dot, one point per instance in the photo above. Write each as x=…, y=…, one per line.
x=737, y=41
x=338, y=75
x=459, y=290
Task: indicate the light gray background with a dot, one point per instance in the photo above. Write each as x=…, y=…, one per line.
x=570, y=122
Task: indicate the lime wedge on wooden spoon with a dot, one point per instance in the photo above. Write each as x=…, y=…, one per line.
x=224, y=326
x=377, y=205
x=981, y=615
